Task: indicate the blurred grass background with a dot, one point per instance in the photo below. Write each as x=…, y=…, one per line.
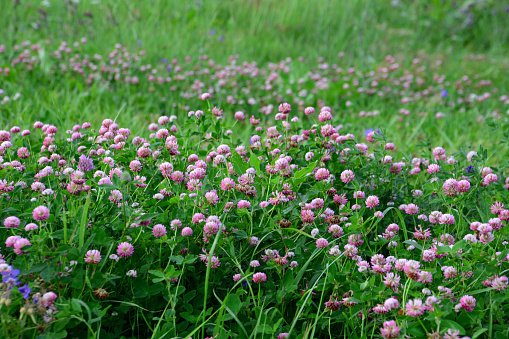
x=267, y=30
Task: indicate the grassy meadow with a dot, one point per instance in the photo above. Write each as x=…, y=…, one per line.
x=466, y=38
x=254, y=169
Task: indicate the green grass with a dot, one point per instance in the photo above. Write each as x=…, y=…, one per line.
x=265, y=30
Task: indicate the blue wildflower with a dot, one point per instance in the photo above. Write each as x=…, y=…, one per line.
x=11, y=278
x=164, y=60
x=25, y=290
x=12, y=272
x=444, y=93
x=369, y=130
x=470, y=169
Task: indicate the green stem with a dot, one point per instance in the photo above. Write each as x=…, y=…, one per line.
x=207, y=276
x=83, y=223
x=491, y=317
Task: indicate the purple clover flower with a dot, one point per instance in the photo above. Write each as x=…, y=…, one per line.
x=85, y=163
